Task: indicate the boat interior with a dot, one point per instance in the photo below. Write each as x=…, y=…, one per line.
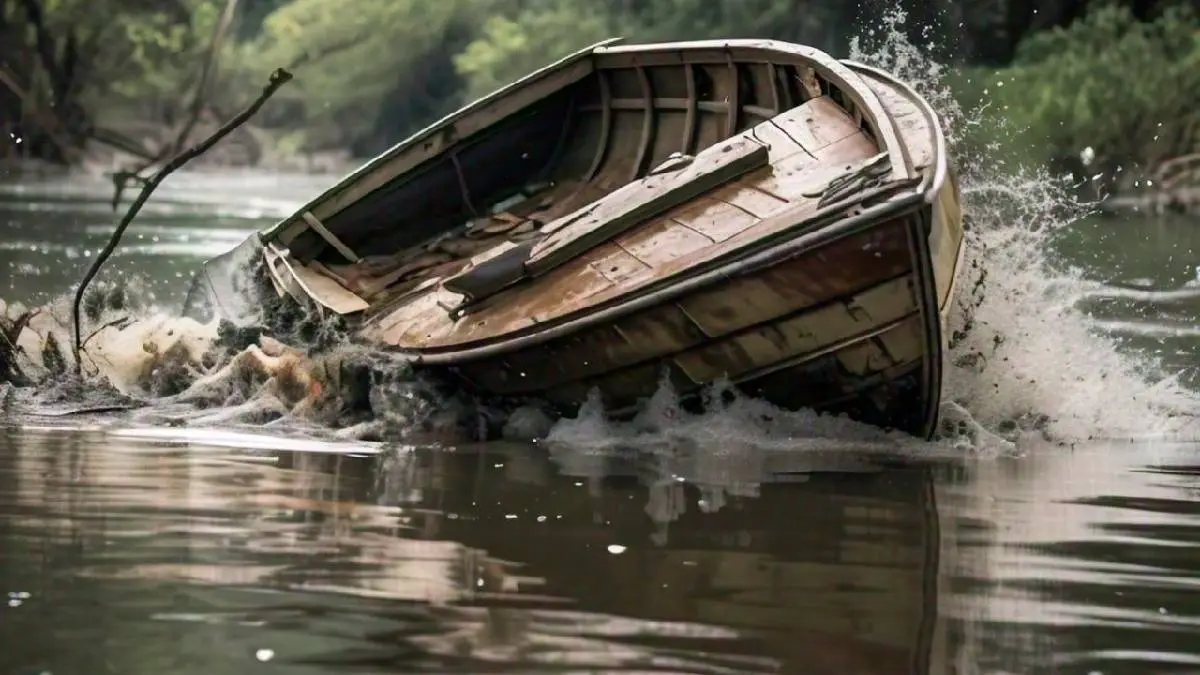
x=705, y=147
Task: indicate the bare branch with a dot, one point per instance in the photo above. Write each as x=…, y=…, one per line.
x=195, y=107
x=46, y=119
x=121, y=142
x=206, y=74
x=278, y=79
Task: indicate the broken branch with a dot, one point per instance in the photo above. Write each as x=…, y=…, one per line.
x=206, y=76
x=278, y=79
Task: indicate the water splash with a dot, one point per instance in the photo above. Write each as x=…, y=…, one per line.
x=1022, y=347
x=1024, y=358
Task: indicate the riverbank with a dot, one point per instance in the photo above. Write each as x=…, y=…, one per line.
x=126, y=146
x=1184, y=201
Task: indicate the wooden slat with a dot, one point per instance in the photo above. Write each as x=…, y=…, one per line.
x=606, y=121
x=811, y=332
x=330, y=238
x=642, y=200
x=820, y=276
x=327, y=291
x=662, y=241
x=689, y=125
x=734, y=105
x=715, y=219
x=647, y=137
x=778, y=102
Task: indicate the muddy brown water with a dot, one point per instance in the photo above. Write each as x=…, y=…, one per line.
x=716, y=547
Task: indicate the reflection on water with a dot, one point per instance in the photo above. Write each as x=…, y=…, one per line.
x=1083, y=561
x=164, y=556
x=161, y=557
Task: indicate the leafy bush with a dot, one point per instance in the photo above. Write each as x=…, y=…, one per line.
x=1126, y=89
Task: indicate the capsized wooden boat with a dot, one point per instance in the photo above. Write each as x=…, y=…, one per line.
x=747, y=210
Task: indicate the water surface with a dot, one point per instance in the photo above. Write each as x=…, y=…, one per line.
x=723, y=546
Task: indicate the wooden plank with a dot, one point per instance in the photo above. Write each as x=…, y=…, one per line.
x=946, y=241
x=641, y=200
x=714, y=219
x=911, y=123
x=815, y=124
x=826, y=273
x=617, y=264
x=662, y=241
x=606, y=115
x=889, y=395
x=632, y=339
x=689, y=125
x=648, y=128
x=809, y=332
x=327, y=291
x=744, y=196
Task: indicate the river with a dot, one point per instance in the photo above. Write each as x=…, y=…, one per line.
x=733, y=542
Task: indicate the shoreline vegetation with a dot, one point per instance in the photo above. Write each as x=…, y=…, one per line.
x=1100, y=90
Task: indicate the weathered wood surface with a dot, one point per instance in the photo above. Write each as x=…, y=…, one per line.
x=845, y=316
x=946, y=234
x=819, y=277
x=635, y=203
x=584, y=224
x=808, y=146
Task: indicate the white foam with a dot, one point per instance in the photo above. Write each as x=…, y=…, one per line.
x=1031, y=355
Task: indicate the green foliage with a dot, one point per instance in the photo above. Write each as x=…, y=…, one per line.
x=369, y=72
x=351, y=56
x=510, y=47
x=142, y=52
x=530, y=35
x=1126, y=89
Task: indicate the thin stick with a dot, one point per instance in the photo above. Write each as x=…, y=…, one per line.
x=278, y=79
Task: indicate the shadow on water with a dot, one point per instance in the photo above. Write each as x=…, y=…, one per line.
x=160, y=557
x=180, y=556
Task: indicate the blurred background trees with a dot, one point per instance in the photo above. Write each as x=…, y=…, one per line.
x=1120, y=77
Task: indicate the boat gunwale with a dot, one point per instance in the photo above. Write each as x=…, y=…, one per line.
x=347, y=182
x=836, y=71
x=937, y=178
x=932, y=184
x=745, y=261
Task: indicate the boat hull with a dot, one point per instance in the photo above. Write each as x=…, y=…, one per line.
x=851, y=325
x=748, y=212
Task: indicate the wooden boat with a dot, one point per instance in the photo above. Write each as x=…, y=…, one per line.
x=741, y=210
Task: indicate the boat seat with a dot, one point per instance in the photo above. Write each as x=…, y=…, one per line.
x=574, y=234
